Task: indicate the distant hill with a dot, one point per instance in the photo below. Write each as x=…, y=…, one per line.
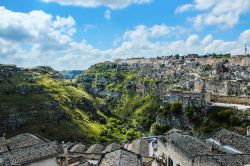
x=70, y=74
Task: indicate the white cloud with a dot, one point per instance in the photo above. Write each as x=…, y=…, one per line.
x=142, y=32
x=224, y=14
x=37, y=38
x=107, y=14
x=192, y=40
x=245, y=36
x=138, y=43
x=113, y=4
x=207, y=39
x=183, y=8
x=46, y=40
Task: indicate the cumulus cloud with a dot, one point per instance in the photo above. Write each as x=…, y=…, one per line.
x=113, y=4
x=224, y=14
x=138, y=43
x=142, y=32
x=38, y=38
x=245, y=36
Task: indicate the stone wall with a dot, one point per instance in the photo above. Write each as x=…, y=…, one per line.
x=233, y=61
x=240, y=60
x=245, y=100
x=47, y=162
x=209, y=61
x=168, y=150
x=140, y=147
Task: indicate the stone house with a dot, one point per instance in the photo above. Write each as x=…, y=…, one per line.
x=178, y=149
x=230, y=142
x=30, y=150
x=223, y=148
x=187, y=98
x=230, y=88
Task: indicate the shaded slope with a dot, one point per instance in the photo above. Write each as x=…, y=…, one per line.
x=40, y=101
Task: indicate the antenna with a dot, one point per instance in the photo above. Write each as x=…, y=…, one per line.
x=245, y=49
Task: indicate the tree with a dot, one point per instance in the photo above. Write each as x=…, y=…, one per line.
x=131, y=134
x=158, y=130
x=176, y=108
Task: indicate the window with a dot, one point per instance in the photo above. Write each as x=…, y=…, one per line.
x=170, y=162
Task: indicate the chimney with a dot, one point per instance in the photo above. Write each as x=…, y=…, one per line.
x=211, y=149
x=66, y=155
x=248, y=131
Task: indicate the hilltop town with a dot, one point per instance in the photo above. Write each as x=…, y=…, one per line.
x=196, y=80
x=177, y=110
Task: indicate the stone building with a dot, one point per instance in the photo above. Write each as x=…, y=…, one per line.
x=223, y=148
x=230, y=88
x=28, y=149
x=230, y=142
x=187, y=98
x=178, y=149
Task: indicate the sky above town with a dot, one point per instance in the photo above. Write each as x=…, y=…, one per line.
x=75, y=34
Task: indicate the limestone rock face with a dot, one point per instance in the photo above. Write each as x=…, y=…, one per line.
x=169, y=121
x=23, y=89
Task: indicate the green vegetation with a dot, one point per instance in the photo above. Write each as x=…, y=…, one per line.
x=159, y=130
x=40, y=101
x=103, y=105
x=210, y=120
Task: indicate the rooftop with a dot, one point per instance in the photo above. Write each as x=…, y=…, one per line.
x=78, y=148
x=112, y=147
x=242, y=143
x=3, y=145
x=27, y=148
x=23, y=140
x=96, y=148
x=121, y=157
x=188, y=144
x=230, y=159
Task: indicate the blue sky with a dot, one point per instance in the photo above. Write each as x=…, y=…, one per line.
x=74, y=34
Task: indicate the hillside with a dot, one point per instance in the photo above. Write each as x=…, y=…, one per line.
x=40, y=101
x=133, y=94
x=109, y=102
x=118, y=90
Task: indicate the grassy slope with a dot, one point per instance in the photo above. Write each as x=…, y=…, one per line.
x=136, y=110
x=64, y=112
